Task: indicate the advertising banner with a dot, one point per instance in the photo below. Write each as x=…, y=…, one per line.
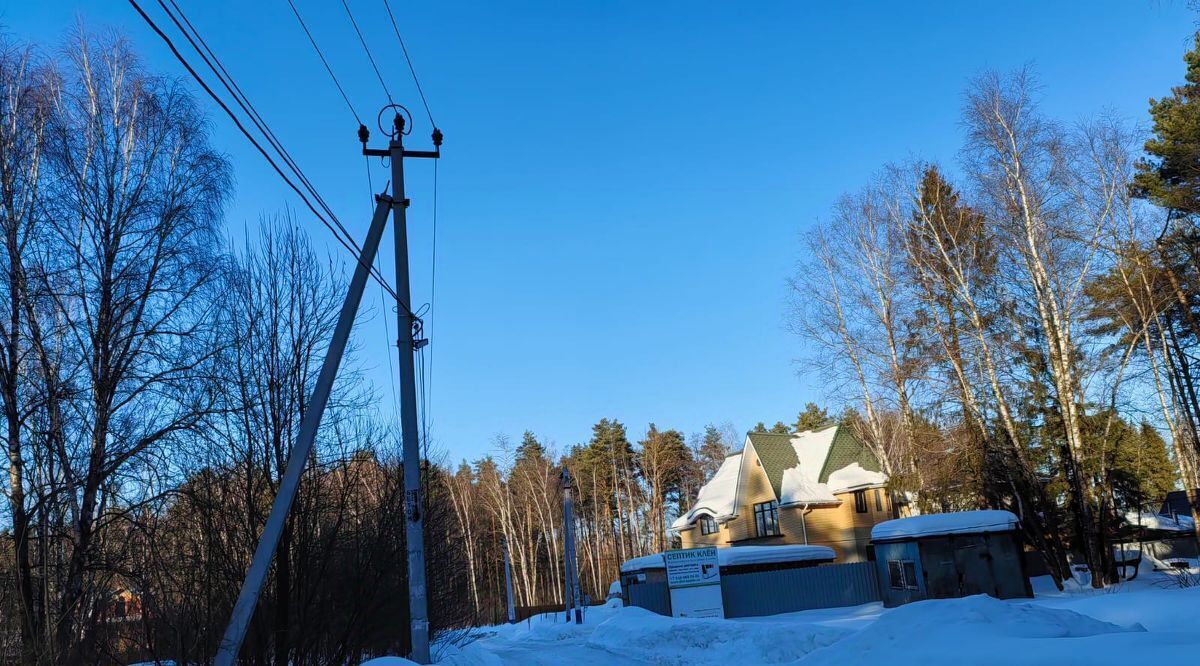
x=694, y=578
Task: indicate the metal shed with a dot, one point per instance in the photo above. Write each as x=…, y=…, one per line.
x=761, y=580
x=947, y=555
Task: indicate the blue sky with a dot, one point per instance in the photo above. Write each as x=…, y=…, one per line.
x=625, y=183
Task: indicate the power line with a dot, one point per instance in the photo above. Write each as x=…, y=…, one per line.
x=366, y=48
x=432, y=290
x=407, y=59
x=387, y=335
x=325, y=62
x=243, y=101
x=348, y=242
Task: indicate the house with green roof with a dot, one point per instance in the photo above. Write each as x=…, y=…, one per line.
x=819, y=487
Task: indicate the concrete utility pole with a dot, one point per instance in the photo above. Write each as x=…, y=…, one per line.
x=572, y=567
x=243, y=610
x=512, y=611
x=406, y=346
x=567, y=593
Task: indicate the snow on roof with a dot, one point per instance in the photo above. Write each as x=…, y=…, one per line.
x=654, y=561
x=801, y=483
x=1155, y=521
x=937, y=524
x=740, y=555
x=718, y=497
x=801, y=487
x=812, y=447
x=853, y=477
x=743, y=555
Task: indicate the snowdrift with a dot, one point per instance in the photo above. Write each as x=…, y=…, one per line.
x=983, y=630
x=651, y=638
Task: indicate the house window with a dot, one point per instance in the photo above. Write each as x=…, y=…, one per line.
x=708, y=525
x=860, y=501
x=878, y=500
x=902, y=574
x=766, y=518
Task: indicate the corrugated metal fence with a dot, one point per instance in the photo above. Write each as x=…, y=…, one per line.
x=787, y=590
x=771, y=592
x=652, y=595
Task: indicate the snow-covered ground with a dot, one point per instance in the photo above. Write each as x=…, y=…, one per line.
x=1149, y=620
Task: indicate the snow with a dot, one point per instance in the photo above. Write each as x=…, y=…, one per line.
x=614, y=589
x=1155, y=521
x=936, y=524
x=799, y=487
x=389, y=661
x=718, y=497
x=1147, y=620
x=853, y=477
x=644, y=562
x=800, y=484
x=812, y=448
x=743, y=555
x=984, y=630
x=636, y=633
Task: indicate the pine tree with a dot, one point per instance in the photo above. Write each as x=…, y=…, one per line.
x=711, y=452
x=812, y=418
x=1170, y=175
x=667, y=465
x=781, y=428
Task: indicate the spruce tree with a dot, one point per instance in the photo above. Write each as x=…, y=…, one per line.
x=530, y=448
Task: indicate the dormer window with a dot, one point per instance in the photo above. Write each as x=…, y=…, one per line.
x=708, y=525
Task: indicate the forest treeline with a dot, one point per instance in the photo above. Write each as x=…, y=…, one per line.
x=1018, y=331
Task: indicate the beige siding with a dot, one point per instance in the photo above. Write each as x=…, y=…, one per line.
x=755, y=488
x=693, y=538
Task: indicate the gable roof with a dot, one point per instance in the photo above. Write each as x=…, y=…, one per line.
x=794, y=463
x=802, y=468
x=776, y=453
x=845, y=450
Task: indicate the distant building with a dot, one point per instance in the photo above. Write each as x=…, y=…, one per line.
x=1177, y=504
x=820, y=487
